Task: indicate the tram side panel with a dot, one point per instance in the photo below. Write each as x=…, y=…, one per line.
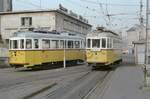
x=17, y=57
x=113, y=55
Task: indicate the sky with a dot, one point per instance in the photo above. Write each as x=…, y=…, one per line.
x=124, y=13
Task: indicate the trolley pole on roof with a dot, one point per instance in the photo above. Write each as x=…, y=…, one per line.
x=147, y=28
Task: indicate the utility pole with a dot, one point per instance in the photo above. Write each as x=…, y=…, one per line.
x=147, y=36
x=141, y=18
x=141, y=11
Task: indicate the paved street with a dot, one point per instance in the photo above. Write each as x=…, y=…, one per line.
x=126, y=83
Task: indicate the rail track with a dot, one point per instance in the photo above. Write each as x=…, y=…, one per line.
x=79, y=88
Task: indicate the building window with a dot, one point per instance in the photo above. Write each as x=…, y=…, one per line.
x=26, y=21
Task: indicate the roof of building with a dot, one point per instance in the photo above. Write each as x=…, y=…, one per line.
x=136, y=27
x=41, y=11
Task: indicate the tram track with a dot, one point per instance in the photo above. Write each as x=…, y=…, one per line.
x=79, y=88
x=99, y=88
x=38, y=76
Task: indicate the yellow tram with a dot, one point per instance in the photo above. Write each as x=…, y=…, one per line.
x=103, y=48
x=31, y=49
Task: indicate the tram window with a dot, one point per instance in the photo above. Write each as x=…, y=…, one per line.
x=70, y=44
x=36, y=43
x=28, y=43
x=114, y=43
x=22, y=43
x=88, y=43
x=111, y=41
x=77, y=44
x=61, y=44
x=10, y=44
x=108, y=42
x=95, y=43
x=83, y=44
x=15, y=44
x=103, y=43
x=55, y=44
x=45, y=43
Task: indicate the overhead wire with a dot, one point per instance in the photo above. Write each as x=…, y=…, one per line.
x=111, y=4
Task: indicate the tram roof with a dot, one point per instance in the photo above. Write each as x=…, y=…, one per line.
x=102, y=34
x=44, y=34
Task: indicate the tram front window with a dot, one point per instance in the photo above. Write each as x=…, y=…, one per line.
x=15, y=44
x=28, y=43
x=88, y=43
x=95, y=43
x=103, y=43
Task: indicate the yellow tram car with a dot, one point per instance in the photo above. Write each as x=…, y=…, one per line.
x=31, y=49
x=103, y=48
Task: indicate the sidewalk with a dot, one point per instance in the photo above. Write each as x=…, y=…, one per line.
x=126, y=83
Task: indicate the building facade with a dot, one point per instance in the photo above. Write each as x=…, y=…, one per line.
x=50, y=20
x=134, y=34
x=5, y=5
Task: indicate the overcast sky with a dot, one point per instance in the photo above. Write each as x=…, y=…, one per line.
x=94, y=10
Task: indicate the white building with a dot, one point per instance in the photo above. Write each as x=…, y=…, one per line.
x=134, y=34
x=50, y=20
